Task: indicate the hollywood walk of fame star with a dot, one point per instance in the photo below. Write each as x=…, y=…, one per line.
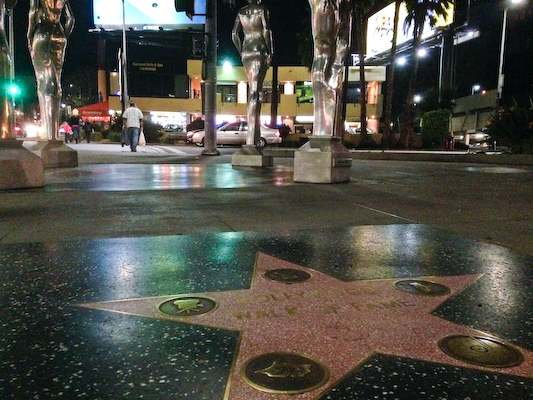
x=338, y=324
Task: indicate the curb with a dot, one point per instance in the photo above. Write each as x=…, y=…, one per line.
x=462, y=157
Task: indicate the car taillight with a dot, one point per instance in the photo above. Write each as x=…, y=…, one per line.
x=17, y=129
x=277, y=134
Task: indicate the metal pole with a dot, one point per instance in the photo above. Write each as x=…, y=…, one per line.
x=124, y=60
x=210, y=84
x=502, y=52
x=11, y=44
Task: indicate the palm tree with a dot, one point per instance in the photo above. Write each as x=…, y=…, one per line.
x=418, y=12
x=360, y=8
x=387, y=134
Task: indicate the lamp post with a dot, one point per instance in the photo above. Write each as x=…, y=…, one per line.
x=124, y=60
x=502, y=53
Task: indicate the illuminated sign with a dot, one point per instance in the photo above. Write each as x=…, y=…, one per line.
x=381, y=27
x=145, y=14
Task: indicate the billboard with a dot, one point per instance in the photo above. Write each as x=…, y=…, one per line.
x=381, y=26
x=145, y=14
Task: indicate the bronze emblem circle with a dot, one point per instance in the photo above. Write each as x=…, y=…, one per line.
x=425, y=288
x=480, y=350
x=187, y=306
x=287, y=275
x=284, y=373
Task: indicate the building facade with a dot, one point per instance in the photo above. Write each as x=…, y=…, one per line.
x=295, y=103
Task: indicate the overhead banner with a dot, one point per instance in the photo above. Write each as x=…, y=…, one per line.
x=381, y=29
x=145, y=14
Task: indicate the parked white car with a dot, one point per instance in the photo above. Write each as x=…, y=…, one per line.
x=236, y=133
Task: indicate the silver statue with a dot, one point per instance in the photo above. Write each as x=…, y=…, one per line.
x=256, y=50
x=47, y=40
x=331, y=25
x=6, y=105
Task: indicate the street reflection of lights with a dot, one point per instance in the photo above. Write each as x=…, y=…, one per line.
x=401, y=61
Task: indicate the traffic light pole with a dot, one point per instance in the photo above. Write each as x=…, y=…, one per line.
x=11, y=38
x=210, y=83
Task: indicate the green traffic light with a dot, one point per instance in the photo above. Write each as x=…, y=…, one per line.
x=14, y=90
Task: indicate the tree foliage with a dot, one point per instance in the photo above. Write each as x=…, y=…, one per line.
x=513, y=127
x=435, y=128
x=418, y=12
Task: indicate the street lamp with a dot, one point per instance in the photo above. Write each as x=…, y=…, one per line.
x=401, y=61
x=124, y=60
x=475, y=89
x=421, y=53
x=502, y=52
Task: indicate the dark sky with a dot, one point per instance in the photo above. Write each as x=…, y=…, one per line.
x=81, y=46
x=476, y=61
x=286, y=20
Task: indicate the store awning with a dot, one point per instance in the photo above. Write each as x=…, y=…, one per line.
x=95, y=112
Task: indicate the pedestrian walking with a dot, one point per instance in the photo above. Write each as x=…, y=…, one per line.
x=74, y=122
x=66, y=130
x=132, y=121
x=87, y=128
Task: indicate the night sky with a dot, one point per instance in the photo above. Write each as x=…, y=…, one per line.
x=81, y=48
x=476, y=62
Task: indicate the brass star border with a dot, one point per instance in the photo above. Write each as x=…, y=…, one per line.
x=335, y=323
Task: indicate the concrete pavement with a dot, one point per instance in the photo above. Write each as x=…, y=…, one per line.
x=187, y=192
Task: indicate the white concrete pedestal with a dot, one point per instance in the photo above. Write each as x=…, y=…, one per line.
x=56, y=154
x=251, y=156
x=19, y=167
x=323, y=159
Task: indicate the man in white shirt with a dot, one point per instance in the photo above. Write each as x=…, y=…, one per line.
x=132, y=121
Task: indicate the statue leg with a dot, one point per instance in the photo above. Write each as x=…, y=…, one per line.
x=6, y=109
x=47, y=53
x=256, y=75
x=49, y=93
x=323, y=93
x=336, y=83
x=254, y=128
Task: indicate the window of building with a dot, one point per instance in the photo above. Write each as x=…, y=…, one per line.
x=267, y=94
x=228, y=93
x=304, y=92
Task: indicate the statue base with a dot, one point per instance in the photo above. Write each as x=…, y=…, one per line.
x=323, y=159
x=19, y=167
x=251, y=156
x=56, y=154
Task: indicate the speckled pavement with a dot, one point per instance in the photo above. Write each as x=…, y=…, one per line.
x=374, y=316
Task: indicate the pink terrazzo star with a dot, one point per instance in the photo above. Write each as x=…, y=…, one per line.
x=339, y=324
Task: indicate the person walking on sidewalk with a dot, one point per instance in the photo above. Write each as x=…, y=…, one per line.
x=87, y=128
x=74, y=122
x=132, y=121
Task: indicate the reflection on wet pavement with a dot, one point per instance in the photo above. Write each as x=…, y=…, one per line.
x=125, y=177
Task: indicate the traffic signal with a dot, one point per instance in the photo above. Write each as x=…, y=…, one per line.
x=13, y=89
x=185, y=5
